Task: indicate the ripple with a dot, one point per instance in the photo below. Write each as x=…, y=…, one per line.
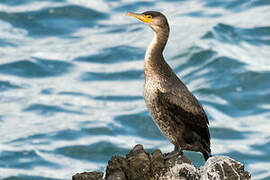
x=30, y=139
x=229, y=81
x=6, y=85
x=40, y=68
x=229, y=5
x=226, y=133
x=201, y=14
x=216, y=70
x=71, y=135
x=48, y=110
x=74, y=94
x=103, y=97
x=116, y=29
x=24, y=177
x=66, y=134
x=47, y=91
x=134, y=6
x=248, y=157
x=118, y=98
x=98, y=131
x=260, y=3
x=101, y=151
x=140, y=124
x=235, y=35
x=264, y=148
x=196, y=59
x=123, y=76
x=266, y=178
x=23, y=160
x=235, y=5
x=114, y=55
x=46, y=22
x=24, y=2
x=4, y=43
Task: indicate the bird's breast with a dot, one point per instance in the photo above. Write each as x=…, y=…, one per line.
x=151, y=90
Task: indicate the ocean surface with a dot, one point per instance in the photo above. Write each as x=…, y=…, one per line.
x=71, y=80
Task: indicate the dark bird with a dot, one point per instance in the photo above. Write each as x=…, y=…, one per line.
x=174, y=109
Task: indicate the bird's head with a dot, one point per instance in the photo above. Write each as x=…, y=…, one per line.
x=156, y=20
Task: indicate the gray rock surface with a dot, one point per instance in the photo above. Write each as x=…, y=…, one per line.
x=140, y=165
x=220, y=167
x=88, y=176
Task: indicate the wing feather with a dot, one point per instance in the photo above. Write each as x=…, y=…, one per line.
x=187, y=109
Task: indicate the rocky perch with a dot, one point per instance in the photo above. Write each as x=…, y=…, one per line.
x=140, y=165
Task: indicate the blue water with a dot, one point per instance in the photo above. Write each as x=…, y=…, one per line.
x=71, y=79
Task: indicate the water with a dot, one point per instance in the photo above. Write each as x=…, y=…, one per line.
x=71, y=77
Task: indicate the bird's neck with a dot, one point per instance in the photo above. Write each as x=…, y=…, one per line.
x=154, y=60
x=157, y=45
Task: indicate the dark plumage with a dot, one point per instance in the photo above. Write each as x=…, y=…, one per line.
x=178, y=114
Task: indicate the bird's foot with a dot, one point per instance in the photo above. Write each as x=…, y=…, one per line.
x=172, y=154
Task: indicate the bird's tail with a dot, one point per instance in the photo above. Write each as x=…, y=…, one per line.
x=205, y=149
x=206, y=155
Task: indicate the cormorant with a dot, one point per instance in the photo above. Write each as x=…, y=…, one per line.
x=174, y=109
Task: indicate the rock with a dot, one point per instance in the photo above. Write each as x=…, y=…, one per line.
x=182, y=171
x=88, y=176
x=157, y=163
x=223, y=167
x=116, y=167
x=140, y=165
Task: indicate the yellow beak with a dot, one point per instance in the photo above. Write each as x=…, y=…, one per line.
x=141, y=17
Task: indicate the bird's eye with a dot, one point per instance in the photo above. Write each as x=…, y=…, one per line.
x=148, y=16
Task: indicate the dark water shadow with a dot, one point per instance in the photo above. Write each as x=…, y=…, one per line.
x=234, y=5
x=57, y=21
x=118, y=98
x=139, y=124
x=25, y=177
x=134, y=6
x=202, y=14
x=24, y=160
x=113, y=76
x=227, y=133
x=244, y=90
x=6, y=85
x=264, y=148
x=25, y=2
x=71, y=135
x=100, y=152
x=266, y=178
x=248, y=158
x=49, y=110
x=95, y=131
x=114, y=55
x=197, y=59
x=225, y=33
x=4, y=43
x=103, y=97
x=39, y=68
x=118, y=29
x=30, y=139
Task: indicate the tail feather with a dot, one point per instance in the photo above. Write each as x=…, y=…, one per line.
x=206, y=155
x=206, y=151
